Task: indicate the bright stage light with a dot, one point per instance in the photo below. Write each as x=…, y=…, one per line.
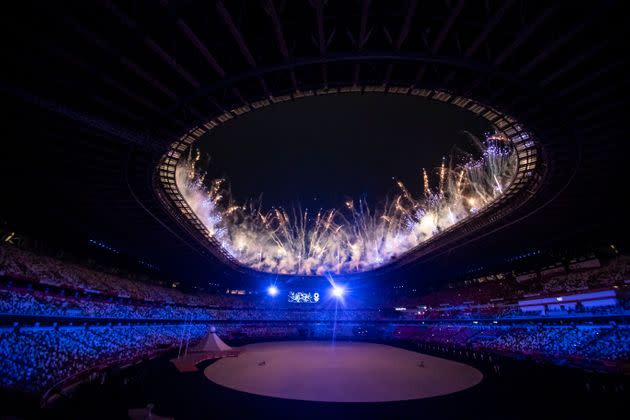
x=338, y=291
x=272, y=290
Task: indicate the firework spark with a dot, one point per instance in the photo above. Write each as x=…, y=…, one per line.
x=355, y=239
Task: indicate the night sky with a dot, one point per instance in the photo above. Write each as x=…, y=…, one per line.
x=319, y=151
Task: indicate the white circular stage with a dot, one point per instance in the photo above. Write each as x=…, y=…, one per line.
x=343, y=372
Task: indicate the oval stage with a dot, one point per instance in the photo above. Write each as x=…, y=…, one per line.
x=343, y=372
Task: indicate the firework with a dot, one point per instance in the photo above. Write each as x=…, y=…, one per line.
x=355, y=239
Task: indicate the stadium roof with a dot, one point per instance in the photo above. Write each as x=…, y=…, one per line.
x=94, y=92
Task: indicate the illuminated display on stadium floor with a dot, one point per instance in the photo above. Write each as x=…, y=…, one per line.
x=318, y=371
x=358, y=237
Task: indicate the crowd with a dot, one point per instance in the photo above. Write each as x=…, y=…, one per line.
x=498, y=299
x=34, y=286
x=24, y=301
x=73, y=285
x=513, y=311
x=614, y=273
x=18, y=263
x=551, y=342
x=472, y=293
x=491, y=298
x=19, y=301
x=34, y=359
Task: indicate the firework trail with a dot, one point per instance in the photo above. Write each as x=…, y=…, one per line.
x=358, y=238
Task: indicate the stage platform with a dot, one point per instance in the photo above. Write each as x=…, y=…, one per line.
x=341, y=372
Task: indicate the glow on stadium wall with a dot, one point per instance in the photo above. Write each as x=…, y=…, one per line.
x=358, y=237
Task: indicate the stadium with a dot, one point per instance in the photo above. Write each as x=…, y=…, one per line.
x=270, y=209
